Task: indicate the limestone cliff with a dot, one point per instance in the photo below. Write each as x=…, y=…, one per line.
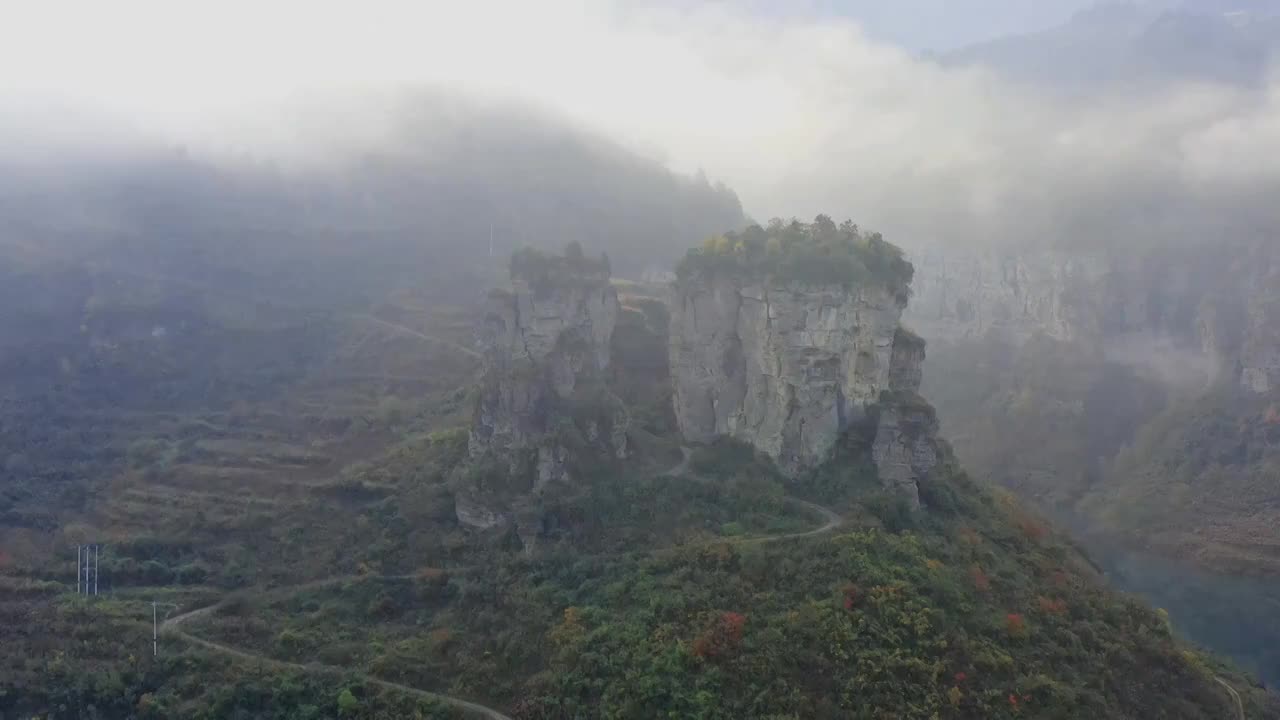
x=905, y=447
x=789, y=368
x=546, y=345
x=1259, y=340
x=1184, y=312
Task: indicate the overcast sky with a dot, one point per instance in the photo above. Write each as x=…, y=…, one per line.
x=801, y=111
x=924, y=25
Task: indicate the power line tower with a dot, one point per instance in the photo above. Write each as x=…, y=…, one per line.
x=87, y=557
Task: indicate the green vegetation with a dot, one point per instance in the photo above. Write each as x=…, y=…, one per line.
x=1043, y=418
x=543, y=271
x=979, y=612
x=817, y=253
x=303, y=487
x=1143, y=472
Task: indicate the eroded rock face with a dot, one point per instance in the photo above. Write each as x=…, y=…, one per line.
x=906, y=447
x=475, y=514
x=546, y=345
x=786, y=369
x=970, y=295
x=1189, y=314
x=1260, y=341
x=540, y=345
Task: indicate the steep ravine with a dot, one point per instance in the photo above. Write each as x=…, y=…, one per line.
x=1129, y=392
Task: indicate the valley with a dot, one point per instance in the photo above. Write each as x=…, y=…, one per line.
x=345, y=542
x=524, y=361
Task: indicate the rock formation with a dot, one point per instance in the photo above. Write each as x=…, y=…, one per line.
x=789, y=368
x=546, y=345
x=1184, y=312
x=905, y=447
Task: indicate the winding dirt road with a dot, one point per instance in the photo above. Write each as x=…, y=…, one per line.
x=832, y=519
x=1234, y=694
x=173, y=626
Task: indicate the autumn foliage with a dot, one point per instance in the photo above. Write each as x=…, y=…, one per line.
x=1031, y=529
x=1016, y=625
x=722, y=638
x=981, y=582
x=849, y=596
x=1052, y=606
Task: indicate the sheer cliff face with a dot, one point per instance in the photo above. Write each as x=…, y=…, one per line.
x=967, y=296
x=786, y=369
x=1183, y=311
x=540, y=344
x=546, y=346
x=1260, y=338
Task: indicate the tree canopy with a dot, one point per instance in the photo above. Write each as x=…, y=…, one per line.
x=817, y=253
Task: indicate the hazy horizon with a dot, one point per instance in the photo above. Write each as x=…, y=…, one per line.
x=799, y=112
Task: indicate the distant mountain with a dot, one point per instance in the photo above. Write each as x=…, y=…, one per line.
x=1132, y=47
x=443, y=182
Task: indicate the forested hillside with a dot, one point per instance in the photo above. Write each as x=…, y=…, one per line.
x=298, y=515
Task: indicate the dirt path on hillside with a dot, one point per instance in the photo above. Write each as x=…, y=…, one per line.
x=1235, y=695
x=173, y=626
x=832, y=519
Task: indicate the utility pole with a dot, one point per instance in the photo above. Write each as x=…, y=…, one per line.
x=78, y=563
x=155, y=625
x=96, y=550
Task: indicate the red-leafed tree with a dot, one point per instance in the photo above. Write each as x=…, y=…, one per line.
x=722, y=638
x=849, y=596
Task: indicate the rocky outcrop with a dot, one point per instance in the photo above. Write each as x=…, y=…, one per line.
x=790, y=369
x=546, y=346
x=473, y=513
x=970, y=296
x=905, y=449
x=543, y=343
x=1260, y=338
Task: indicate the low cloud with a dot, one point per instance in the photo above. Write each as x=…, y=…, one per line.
x=800, y=116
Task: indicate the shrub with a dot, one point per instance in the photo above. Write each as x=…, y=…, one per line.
x=1016, y=625
x=981, y=582
x=348, y=704
x=392, y=410
x=849, y=596
x=722, y=638
x=191, y=574
x=894, y=512
x=1052, y=606
x=732, y=529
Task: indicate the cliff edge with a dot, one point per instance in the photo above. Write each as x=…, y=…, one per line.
x=787, y=338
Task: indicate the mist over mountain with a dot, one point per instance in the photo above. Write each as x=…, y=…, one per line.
x=332, y=326
x=1130, y=47
x=421, y=180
